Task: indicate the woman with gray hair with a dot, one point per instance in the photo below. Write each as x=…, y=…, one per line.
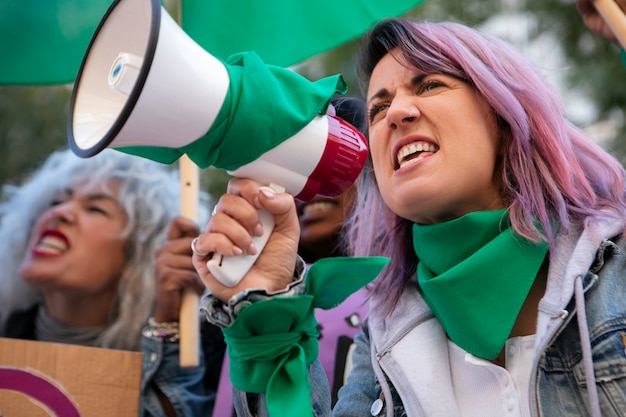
x=78, y=244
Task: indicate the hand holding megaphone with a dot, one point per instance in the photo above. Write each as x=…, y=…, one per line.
x=324, y=158
x=230, y=270
x=235, y=224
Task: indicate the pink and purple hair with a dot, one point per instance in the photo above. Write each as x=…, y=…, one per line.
x=552, y=172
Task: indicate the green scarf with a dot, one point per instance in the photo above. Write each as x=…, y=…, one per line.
x=272, y=342
x=475, y=273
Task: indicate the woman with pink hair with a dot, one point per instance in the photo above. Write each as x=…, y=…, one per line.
x=503, y=225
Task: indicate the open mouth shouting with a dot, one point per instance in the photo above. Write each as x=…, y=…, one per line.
x=51, y=242
x=413, y=152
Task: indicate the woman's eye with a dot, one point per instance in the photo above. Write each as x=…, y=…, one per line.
x=375, y=111
x=56, y=202
x=96, y=209
x=429, y=85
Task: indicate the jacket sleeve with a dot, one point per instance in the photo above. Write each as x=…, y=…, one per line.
x=183, y=387
x=361, y=389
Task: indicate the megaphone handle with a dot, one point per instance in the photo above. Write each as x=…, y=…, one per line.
x=229, y=270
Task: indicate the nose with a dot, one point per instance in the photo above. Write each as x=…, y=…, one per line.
x=402, y=113
x=62, y=213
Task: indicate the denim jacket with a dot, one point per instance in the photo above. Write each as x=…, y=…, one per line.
x=182, y=386
x=401, y=364
x=190, y=391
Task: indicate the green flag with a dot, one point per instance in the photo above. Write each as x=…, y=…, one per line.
x=283, y=32
x=43, y=41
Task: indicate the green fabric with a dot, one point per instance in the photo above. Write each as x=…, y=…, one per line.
x=265, y=105
x=475, y=273
x=622, y=54
x=283, y=32
x=43, y=41
x=272, y=342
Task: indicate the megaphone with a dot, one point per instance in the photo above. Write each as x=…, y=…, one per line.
x=144, y=83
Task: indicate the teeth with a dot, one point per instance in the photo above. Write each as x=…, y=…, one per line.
x=318, y=205
x=413, y=148
x=51, y=244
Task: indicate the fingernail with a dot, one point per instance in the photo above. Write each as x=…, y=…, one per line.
x=267, y=192
x=258, y=230
x=237, y=250
x=252, y=249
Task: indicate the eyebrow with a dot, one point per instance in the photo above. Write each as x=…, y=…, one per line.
x=383, y=92
x=102, y=196
x=66, y=191
x=69, y=192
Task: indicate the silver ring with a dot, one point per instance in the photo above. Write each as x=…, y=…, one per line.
x=195, y=250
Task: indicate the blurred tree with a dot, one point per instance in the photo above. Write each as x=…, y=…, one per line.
x=595, y=67
x=32, y=124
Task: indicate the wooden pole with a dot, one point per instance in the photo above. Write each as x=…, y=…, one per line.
x=189, y=320
x=614, y=17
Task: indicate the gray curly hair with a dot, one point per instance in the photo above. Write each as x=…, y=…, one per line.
x=150, y=195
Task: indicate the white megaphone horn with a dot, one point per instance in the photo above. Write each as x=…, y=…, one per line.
x=144, y=82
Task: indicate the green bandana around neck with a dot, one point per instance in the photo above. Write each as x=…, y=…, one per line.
x=475, y=273
x=272, y=342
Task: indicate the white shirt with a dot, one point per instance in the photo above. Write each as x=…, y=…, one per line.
x=483, y=389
